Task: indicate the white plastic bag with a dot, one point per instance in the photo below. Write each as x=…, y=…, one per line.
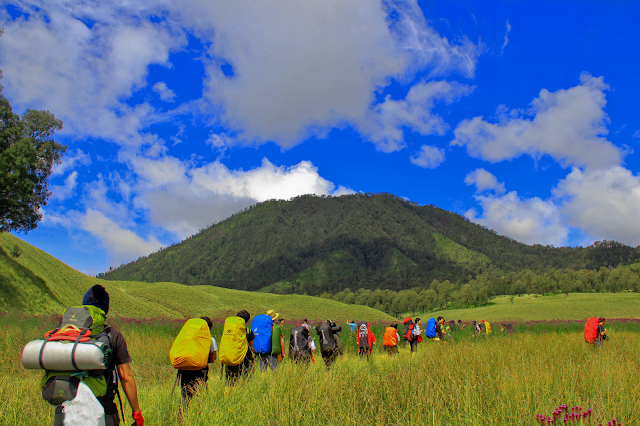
x=84, y=409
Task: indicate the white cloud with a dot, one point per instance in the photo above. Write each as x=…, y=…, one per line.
x=164, y=92
x=531, y=221
x=183, y=198
x=603, y=203
x=484, y=181
x=70, y=161
x=301, y=69
x=123, y=244
x=569, y=125
x=506, y=37
x=54, y=61
x=384, y=124
x=63, y=192
x=636, y=134
x=429, y=157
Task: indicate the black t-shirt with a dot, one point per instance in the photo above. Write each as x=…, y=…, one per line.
x=119, y=355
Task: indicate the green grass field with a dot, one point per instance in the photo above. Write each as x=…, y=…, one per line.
x=505, y=379
x=38, y=283
x=576, y=306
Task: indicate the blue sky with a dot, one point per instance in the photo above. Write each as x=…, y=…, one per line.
x=520, y=115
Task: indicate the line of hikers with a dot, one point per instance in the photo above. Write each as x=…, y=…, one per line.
x=85, y=360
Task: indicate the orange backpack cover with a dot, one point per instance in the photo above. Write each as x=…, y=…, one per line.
x=591, y=330
x=390, y=337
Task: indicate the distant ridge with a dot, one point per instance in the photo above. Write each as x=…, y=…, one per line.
x=312, y=244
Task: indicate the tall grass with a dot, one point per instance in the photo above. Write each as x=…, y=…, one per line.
x=505, y=379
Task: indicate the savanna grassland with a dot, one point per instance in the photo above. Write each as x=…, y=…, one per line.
x=503, y=379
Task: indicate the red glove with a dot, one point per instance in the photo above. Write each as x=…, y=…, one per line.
x=138, y=418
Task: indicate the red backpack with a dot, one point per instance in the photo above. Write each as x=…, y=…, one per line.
x=591, y=330
x=408, y=328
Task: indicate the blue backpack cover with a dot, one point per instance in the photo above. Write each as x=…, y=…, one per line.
x=262, y=327
x=431, y=328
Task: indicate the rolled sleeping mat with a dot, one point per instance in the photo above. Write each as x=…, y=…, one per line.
x=56, y=356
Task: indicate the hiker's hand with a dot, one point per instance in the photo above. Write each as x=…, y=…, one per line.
x=137, y=416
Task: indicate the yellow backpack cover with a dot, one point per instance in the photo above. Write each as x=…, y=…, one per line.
x=190, y=350
x=487, y=326
x=233, y=344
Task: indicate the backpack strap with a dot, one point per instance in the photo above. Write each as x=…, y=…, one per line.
x=75, y=346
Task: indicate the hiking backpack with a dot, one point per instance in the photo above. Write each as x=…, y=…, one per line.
x=76, y=351
x=298, y=341
x=390, y=337
x=483, y=328
x=190, y=349
x=233, y=344
x=430, y=331
x=488, y=327
x=262, y=327
x=591, y=330
x=408, y=328
x=364, y=331
x=327, y=340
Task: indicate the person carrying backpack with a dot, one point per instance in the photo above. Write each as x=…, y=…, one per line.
x=190, y=375
x=602, y=332
x=416, y=336
x=236, y=348
x=277, y=342
x=391, y=339
x=327, y=331
x=262, y=327
x=439, y=329
x=118, y=369
x=365, y=339
x=299, y=345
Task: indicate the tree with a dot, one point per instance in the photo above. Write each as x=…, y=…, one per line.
x=27, y=154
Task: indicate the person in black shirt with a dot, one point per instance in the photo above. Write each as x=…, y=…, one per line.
x=602, y=332
x=119, y=368
x=245, y=368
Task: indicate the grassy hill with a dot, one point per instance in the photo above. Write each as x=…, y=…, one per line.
x=374, y=241
x=35, y=282
x=575, y=306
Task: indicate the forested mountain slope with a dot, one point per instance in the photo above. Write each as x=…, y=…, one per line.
x=314, y=244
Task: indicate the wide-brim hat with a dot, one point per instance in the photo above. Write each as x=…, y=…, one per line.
x=273, y=314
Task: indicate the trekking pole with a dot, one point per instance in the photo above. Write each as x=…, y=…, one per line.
x=174, y=385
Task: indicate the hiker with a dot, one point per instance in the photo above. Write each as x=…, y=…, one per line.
x=408, y=329
x=416, y=336
x=262, y=327
x=327, y=331
x=476, y=328
x=120, y=360
x=451, y=327
x=365, y=339
x=463, y=326
x=508, y=327
x=236, y=354
x=483, y=328
x=391, y=339
x=439, y=329
x=189, y=379
x=602, y=332
x=277, y=342
x=299, y=350
x=353, y=325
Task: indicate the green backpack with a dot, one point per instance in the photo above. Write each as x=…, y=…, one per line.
x=77, y=350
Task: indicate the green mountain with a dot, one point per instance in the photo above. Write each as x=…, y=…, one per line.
x=33, y=282
x=322, y=244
